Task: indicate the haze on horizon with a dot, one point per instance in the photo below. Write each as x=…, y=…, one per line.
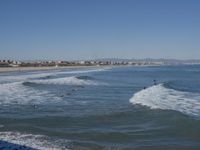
x=90, y=29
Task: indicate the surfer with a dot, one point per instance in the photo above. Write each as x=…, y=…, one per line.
x=73, y=90
x=154, y=82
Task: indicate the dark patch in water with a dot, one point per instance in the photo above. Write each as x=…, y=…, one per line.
x=73, y=90
x=68, y=93
x=80, y=86
x=29, y=83
x=85, y=77
x=46, y=77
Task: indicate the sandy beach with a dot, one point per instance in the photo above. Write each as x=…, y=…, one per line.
x=19, y=69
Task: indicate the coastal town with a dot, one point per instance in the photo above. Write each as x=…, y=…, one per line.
x=14, y=63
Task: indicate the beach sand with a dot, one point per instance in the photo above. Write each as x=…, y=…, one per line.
x=19, y=69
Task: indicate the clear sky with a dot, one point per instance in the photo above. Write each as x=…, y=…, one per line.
x=89, y=29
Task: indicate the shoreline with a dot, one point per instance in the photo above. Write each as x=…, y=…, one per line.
x=21, y=69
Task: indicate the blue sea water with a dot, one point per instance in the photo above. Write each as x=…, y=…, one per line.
x=116, y=108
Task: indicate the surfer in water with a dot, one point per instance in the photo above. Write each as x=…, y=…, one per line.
x=154, y=82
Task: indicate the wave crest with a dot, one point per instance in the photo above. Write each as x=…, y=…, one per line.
x=33, y=141
x=159, y=97
x=65, y=81
x=16, y=93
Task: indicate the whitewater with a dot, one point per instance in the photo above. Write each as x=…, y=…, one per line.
x=160, y=97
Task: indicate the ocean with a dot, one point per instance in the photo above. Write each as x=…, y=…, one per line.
x=111, y=108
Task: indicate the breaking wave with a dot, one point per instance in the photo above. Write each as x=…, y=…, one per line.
x=24, y=89
x=17, y=93
x=64, y=81
x=47, y=75
x=85, y=77
x=29, y=140
x=160, y=97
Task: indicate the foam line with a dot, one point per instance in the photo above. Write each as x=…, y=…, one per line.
x=32, y=141
x=18, y=78
x=17, y=93
x=65, y=81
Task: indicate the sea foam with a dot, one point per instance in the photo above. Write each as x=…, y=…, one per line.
x=13, y=89
x=17, y=93
x=42, y=75
x=160, y=97
x=33, y=141
x=65, y=81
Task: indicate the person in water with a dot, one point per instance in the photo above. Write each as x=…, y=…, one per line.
x=154, y=82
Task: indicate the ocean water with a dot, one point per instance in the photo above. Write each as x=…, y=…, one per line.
x=98, y=108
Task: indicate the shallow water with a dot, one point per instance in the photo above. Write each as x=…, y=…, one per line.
x=102, y=108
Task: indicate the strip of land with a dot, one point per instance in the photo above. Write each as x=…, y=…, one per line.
x=10, y=65
x=20, y=69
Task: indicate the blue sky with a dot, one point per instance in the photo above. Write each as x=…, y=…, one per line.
x=89, y=29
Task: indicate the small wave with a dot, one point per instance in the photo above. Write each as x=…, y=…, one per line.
x=159, y=97
x=17, y=93
x=47, y=75
x=85, y=77
x=28, y=83
x=33, y=141
x=18, y=78
x=23, y=92
x=64, y=81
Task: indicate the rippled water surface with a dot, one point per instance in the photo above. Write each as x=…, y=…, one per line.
x=102, y=108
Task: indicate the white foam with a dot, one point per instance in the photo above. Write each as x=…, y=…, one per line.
x=65, y=81
x=159, y=97
x=22, y=77
x=17, y=93
x=18, y=78
x=33, y=141
x=12, y=90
